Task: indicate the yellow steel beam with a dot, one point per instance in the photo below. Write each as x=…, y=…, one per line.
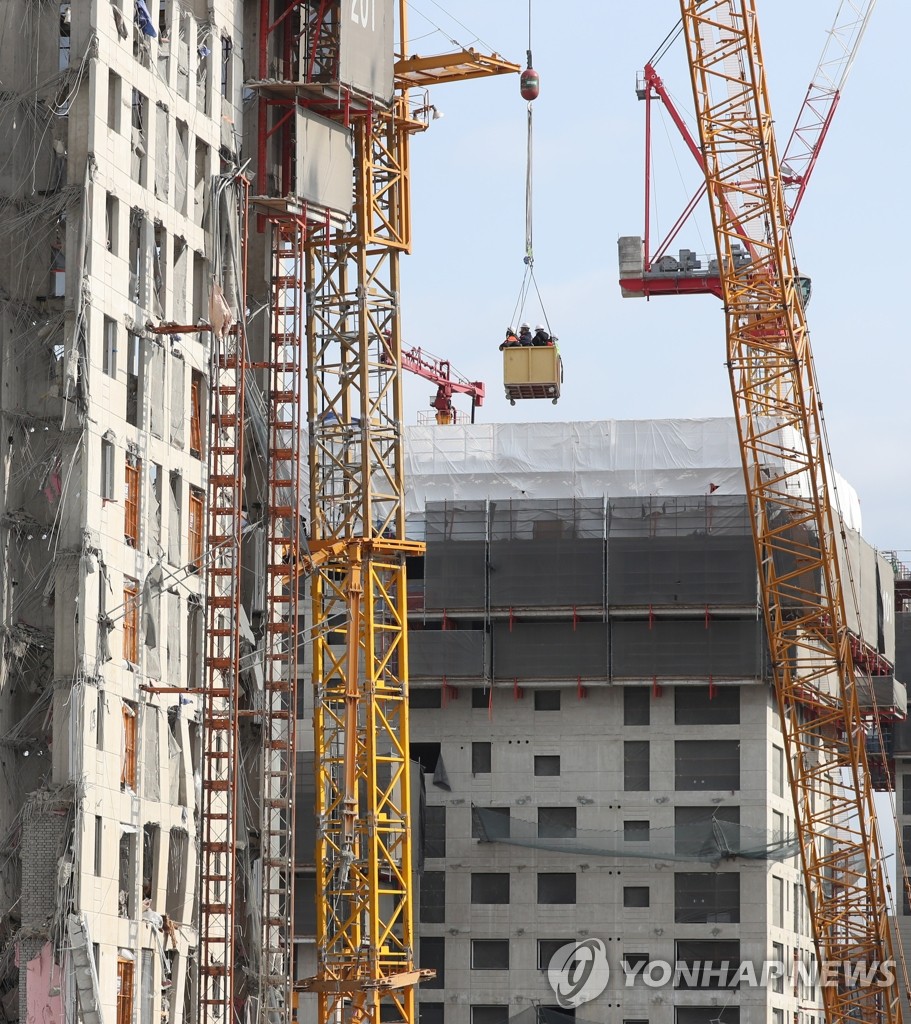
x=422, y=72
x=336, y=552
x=352, y=986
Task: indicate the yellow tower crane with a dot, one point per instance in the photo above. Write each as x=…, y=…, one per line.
x=784, y=450
x=358, y=547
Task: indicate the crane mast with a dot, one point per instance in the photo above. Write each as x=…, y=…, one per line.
x=363, y=859
x=365, y=946
x=784, y=453
x=334, y=310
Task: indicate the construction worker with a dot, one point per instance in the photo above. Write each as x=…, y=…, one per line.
x=511, y=339
x=541, y=336
x=525, y=335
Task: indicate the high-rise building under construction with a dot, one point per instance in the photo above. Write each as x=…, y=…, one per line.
x=591, y=708
x=185, y=183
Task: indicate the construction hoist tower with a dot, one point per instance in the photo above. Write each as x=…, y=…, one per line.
x=330, y=89
x=785, y=455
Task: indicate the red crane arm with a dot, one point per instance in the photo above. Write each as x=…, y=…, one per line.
x=440, y=371
x=822, y=97
x=796, y=165
x=449, y=382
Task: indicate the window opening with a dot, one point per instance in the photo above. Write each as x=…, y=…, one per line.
x=195, y=528
x=490, y=887
x=132, y=493
x=134, y=371
x=196, y=402
x=547, y=765
x=556, y=887
x=124, y=991
x=547, y=700
x=131, y=634
x=107, y=470
x=480, y=758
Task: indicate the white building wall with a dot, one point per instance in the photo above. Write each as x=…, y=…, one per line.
x=132, y=250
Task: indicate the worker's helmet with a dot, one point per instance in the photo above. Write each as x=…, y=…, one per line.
x=525, y=327
x=540, y=327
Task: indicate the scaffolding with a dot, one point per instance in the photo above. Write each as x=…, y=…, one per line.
x=221, y=691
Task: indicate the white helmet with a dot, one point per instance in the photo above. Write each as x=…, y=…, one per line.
x=525, y=327
x=540, y=327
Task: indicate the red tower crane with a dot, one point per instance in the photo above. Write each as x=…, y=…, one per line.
x=649, y=271
x=449, y=382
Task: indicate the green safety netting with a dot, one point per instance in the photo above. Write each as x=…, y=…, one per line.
x=697, y=835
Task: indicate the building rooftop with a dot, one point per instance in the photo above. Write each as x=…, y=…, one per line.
x=617, y=458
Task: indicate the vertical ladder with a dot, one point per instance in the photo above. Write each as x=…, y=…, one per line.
x=217, y=881
x=283, y=545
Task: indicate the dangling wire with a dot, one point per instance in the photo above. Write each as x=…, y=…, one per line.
x=528, y=276
x=529, y=163
x=529, y=225
x=519, y=308
x=528, y=279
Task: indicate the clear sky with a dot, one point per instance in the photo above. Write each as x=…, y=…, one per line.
x=628, y=358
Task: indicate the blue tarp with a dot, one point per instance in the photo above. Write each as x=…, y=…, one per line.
x=144, y=18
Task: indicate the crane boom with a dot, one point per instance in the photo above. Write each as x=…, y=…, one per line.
x=449, y=382
x=784, y=452
x=653, y=272
x=818, y=108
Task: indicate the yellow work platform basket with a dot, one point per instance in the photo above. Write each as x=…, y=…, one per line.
x=532, y=371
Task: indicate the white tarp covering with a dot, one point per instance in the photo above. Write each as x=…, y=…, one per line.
x=366, y=47
x=616, y=458
x=848, y=502
x=325, y=163
x=162, y=153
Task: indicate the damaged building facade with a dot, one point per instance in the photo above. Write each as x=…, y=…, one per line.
x=139, y=131
x=120, y=117
x=591, y=708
